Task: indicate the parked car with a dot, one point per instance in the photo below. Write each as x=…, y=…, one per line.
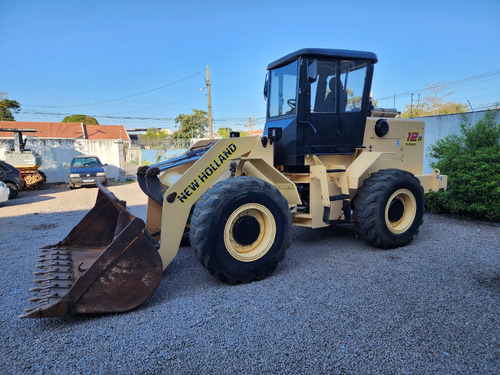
x=4, y=192
x=12, y=178
x=83, y=171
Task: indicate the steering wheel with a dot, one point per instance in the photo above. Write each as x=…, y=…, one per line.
x=291, y=103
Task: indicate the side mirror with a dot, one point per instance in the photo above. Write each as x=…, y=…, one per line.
x=105, y=165
x=312, y=71
x=65, y=165
x=266, y=84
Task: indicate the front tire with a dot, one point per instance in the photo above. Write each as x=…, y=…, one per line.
x=389, y=208
x=240, y=229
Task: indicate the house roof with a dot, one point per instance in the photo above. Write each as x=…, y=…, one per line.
x=67, y=130
x=106, y=132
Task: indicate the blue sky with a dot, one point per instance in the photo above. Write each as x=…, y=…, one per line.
x=68, y=57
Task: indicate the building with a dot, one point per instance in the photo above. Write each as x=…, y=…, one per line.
x=59, y=142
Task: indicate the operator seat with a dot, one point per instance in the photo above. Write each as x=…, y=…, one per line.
x=328, y=104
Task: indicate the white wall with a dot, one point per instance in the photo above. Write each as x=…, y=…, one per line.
x=55, y=152
x=437, y=127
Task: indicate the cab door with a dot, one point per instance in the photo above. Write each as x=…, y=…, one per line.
x=321, y=131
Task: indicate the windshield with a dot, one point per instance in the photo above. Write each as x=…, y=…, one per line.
x=283, y=90
x=85, y=162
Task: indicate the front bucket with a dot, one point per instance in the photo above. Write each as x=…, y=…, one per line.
x=105, y=264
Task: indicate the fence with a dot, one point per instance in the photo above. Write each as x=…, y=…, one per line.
x=153, y=151
x=437, y=127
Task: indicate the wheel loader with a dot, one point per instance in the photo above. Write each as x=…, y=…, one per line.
x=327, y=157
x=27, y=161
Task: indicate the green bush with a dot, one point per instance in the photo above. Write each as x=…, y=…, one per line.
x=472, y=162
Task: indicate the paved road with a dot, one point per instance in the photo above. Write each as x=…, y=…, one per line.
x=334, y=305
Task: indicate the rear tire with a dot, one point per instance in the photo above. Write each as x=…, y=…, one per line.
x=13, y=190
x=389, y=208
x=240, y=229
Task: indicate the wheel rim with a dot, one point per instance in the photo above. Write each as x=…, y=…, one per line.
x=248, y=216
x=400, y=211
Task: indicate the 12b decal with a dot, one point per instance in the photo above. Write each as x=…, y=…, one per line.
x=413, y=138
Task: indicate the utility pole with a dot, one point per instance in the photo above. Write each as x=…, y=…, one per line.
x=418, y=104
x=209, y=104
x=411, y=106
x=250, y=125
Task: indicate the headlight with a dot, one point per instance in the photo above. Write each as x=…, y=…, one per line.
x=74, y=175
x=101, y=174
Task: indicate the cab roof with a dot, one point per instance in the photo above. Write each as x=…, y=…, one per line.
x=324, y=52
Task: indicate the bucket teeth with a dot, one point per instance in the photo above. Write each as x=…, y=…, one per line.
x=54, y=279
x=51, y=277
x=41, y=301
x=52, y=262
x=51, y=269
x=52, y=284
x=44, y=258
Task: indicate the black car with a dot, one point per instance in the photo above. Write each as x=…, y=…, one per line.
x=12, y=178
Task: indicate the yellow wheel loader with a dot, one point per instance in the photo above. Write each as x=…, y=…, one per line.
x=327, y=157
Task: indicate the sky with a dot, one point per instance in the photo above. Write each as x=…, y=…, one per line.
x=142, y=63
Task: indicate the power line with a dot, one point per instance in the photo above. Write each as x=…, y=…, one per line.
x=460, y=83
x=222, y=119
x=113, y=100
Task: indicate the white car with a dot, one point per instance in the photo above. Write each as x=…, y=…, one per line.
x=4, y=192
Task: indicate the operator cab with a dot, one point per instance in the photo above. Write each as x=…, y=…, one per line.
x=318, y=99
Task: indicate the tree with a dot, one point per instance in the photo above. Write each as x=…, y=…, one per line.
x=224, y=132
x=472, y=162
x=87, y=120
x=154, y=137
x=433, y=104
x=6, y=106
x=191, y=126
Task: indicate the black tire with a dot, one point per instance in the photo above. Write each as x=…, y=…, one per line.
x=13, y=190
x=389, y=208
x=185, y=242
x=71, y=185
x=240, y=229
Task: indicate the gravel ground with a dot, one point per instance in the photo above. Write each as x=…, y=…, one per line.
x=334, y=305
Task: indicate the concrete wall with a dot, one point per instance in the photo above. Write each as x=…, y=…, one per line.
x=55, y=152
x=437, y=127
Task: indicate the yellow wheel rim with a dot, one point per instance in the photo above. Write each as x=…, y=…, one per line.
x=405, y=200
x=265, y=239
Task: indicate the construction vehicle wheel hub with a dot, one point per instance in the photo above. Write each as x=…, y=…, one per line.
x=249, y=232
x=400, y=211
x=246, y=230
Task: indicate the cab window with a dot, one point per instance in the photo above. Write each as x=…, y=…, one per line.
x=352, y=78
x=283, y=90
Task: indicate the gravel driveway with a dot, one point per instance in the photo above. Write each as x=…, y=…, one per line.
x=334, y=306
